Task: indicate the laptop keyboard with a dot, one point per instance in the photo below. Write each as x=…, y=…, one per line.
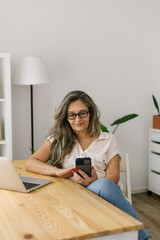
x=30, y=185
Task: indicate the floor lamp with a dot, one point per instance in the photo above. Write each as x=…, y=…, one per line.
x=31, y=71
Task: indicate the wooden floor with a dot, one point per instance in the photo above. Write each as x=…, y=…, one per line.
x=148, y=209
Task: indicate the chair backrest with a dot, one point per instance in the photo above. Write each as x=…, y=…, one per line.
x=124, y=167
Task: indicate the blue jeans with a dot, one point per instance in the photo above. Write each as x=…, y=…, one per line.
x=111, y=192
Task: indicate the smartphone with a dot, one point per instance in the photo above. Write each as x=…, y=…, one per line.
x=84, y=164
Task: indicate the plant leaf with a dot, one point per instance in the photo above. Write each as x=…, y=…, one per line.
x=103, y=128
x=156, y=104
x=32, y=150
x=124, y=119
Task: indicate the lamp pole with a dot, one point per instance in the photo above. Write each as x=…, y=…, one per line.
x=32, y=125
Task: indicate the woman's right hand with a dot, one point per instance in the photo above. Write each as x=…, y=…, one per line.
x=86, y=180
x=64, y=172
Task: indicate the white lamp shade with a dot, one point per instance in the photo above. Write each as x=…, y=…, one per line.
x=30, y=71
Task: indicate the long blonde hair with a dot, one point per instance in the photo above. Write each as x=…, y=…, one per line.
x=62, y=133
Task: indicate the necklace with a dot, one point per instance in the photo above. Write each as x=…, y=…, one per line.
x=82, y=141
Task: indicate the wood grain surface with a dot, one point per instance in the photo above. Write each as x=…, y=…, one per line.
x=62, y=209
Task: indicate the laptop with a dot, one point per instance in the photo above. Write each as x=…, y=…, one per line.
x=10, y=180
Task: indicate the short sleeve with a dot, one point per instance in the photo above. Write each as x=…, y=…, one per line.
x=113, y=148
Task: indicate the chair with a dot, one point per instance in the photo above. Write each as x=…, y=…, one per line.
x=124, y=168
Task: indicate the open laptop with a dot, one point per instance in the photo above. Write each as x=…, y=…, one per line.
x=9, y=178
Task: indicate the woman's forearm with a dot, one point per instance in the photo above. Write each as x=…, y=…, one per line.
x=37, y=166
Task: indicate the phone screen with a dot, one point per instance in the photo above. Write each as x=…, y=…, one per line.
x=84, y=164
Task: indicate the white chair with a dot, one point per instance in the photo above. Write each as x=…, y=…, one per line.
x=124, y=168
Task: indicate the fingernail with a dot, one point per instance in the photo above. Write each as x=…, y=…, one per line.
x=92, y=167
x=77, y=169
x=73, y=171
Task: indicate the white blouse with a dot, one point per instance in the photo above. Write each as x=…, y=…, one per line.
x=101, y=151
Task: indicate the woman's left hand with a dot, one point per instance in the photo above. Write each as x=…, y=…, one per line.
x=86, y=180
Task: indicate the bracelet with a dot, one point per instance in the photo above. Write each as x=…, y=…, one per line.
x=47, y=169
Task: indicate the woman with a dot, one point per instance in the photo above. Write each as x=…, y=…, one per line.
x=76, y=133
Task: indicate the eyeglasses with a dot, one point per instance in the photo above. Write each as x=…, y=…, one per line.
x=81, y=114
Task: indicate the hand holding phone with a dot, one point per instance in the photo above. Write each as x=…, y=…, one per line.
x=89, y=173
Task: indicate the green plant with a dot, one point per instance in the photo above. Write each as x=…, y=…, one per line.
x=156, y=104
x=118, y=122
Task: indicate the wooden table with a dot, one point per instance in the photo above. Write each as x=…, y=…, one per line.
x=61, y=210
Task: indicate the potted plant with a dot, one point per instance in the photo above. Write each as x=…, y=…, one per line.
x=156, y=118
x=119, y=121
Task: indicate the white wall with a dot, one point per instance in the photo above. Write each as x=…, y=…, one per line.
x=109, y=48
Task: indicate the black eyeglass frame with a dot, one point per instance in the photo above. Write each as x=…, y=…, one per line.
x=77, y=114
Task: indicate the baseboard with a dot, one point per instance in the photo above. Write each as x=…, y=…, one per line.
x=139, y=190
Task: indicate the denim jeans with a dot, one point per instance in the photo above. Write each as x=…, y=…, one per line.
x=111, y=192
